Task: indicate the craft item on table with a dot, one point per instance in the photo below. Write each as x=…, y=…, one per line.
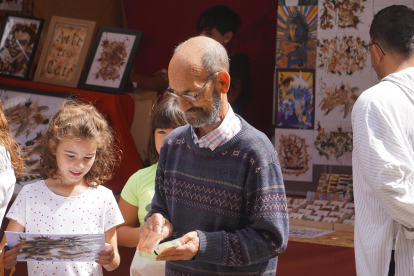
x=166, y=245
x=333, y=183
x=313, y=207
x=148, y=241
x=310, y=196
x=321, y=202
x=323, y=183
x=345, y=211
x=353, y=217
x=342, y=184
x=322, y=196
x=349, y=206
x=288, y=200
x=330, y=208
x=306, y=212
x=296, y=216
x=329, y=219
x=290, y=209
x=313, y=218
x=56, y=247
x=349, y=222
x=307, y=232
x=340, y=204
x=298, y=201
x=350, y=190
x=322, y=213
x=336, y=215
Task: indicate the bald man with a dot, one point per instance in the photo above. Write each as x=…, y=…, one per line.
x=219, y=185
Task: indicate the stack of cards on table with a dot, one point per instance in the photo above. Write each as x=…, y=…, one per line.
x=294, y=203
x=324, y=210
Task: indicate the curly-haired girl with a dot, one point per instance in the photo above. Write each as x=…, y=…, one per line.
x=78, y=154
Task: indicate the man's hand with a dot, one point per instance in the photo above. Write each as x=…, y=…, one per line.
x=189, y=248
x=10, y=257
x=158, y=224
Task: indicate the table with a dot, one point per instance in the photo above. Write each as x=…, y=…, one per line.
x=119, y=110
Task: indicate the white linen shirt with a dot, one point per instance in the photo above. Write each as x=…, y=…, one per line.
x=383, y=171
x=42, y=211
x=7, y=181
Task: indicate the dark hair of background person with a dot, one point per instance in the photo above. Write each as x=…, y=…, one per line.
x=12, y=147
x=393, y=29
x=76, y=120
x=220, y=17
x=167, y=114
x=297, y=18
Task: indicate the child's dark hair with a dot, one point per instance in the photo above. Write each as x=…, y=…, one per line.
x=81, y=121
x=17, y=158
x=220, y=17
x=167, y=114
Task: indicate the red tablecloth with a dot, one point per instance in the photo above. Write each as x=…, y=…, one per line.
x=119, y=110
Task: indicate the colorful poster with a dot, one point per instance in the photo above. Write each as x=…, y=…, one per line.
x=343, y=55
x=345, y=15
x=335, y=97
x=295, y=98
x=296, y=36
x=333, y=143
x=295, y=150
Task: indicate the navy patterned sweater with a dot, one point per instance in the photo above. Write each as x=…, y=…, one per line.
x=233, y=196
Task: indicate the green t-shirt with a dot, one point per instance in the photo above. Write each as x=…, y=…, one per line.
x=139, y=190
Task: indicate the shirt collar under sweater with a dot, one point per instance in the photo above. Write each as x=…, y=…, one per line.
x=230, y=126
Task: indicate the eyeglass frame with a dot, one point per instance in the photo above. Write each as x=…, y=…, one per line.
x=190, y=98
x=366, y=47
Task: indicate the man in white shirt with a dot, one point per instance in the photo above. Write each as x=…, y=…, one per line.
x=383, y=155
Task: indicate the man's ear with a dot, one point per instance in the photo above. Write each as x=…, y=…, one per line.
x=227, y=37
x=223, y=82
x=52, y=146
x=376, y=51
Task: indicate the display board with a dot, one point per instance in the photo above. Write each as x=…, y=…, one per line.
x=321, y=68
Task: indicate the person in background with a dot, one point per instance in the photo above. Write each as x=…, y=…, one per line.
x=78, y=154
x=137, y=194
x=218, y=185
x=383, y=153
x=221, y=24
x=12, y=163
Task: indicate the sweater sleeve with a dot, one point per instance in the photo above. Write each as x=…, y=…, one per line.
x=385, y=158
x=159, y=204
x=266, y=235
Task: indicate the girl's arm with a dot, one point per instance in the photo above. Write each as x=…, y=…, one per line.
x=11, y=255
x=109, y=258
x=128, y=232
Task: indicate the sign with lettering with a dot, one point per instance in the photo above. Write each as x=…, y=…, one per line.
x=64, y=52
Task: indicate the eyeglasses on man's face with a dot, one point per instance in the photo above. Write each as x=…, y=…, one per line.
x=190, y=98
x=368, y=49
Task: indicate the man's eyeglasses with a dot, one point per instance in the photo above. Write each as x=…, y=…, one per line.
x=190, y=98
x=368, y=49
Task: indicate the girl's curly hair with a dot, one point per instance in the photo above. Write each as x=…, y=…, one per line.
x=12, y=147
x=81, y=121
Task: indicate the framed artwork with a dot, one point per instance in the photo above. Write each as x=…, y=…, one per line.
x=19, y=39
x=64, y=52
x=28, y=112
x=11, y=5
x=295, y=98
x=296, y=36
x=111, y=60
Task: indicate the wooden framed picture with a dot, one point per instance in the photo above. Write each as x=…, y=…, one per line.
x=111, y=59
x=64, y=52
x=28, y=112
x=19, y=39
x=295, y=100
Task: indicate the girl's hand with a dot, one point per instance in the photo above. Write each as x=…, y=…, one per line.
x=10, y=257
x=107, y=256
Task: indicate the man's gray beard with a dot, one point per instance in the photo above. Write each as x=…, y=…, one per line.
x=204, y=118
